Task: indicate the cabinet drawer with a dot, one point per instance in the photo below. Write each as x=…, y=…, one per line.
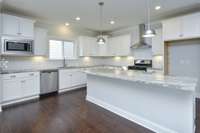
x=20, y=75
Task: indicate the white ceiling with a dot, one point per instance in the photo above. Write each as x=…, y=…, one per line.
x=124, y=12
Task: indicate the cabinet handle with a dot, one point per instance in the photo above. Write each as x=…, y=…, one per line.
x=13, y=76
x=19, y=33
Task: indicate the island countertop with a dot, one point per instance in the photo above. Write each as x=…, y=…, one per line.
x=181, y=83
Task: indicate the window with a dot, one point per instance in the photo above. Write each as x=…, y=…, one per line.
x=58, y=50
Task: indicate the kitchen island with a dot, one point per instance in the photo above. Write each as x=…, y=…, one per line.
x=161, y=103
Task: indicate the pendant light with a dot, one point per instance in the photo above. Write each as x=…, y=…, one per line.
x=100, y=39
x=149, y=33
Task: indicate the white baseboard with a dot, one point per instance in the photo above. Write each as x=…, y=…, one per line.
x=20, y=100
x=71, y=88
x=132, y=117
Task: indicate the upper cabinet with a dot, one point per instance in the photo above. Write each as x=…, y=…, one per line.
x=40, y=42
x=158, y=43
x=88, y=46
x=114, y=46
x=191, y=26
x=17, y=26
x=184, y=27
x=119, y=45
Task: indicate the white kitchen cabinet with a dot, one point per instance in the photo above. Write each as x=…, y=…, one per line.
x=64, y=79
x=30, y=85
x=19, y=86
x=78, y=78
x=172, y=29
x=120, y=45
x=88, y=46
x=17, y=26
x=41, y=42
x=69, y=78
x=11, y=89
x=191, y=26
x=26, y=27
x=10, y=25
x=158, y=43
x=111, y=46
x=184, y=27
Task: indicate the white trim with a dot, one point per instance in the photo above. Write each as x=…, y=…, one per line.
x=71, y=88
x=132, y=117
x=20, y=100
x=0, y=109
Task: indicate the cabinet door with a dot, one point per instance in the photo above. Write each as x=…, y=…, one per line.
x=64, y=79
x=191, y=26
x=120, y=45
x=125, y=44
x=10, y=25
x=41, y=44
x=92, y=46
x=83, y=46
x=112, y=49
x=28, y=86
x=11, y=89
x=26, y=27
x=78, y=78
x=158, y=43
x=172, y=29
x=83, y=78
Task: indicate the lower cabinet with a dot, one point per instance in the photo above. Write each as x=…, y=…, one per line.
x=19, y=86
x=71, y=78
x=11, y=89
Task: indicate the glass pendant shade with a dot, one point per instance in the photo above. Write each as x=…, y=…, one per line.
x=101, y=40
x=149, y=33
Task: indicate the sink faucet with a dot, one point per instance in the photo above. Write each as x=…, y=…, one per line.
x=64, y=62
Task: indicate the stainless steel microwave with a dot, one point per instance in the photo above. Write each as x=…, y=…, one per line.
x=17, y=46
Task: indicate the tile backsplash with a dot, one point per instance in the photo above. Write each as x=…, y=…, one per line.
x=38, y=62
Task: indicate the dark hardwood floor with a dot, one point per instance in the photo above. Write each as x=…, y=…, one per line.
x=67, y=113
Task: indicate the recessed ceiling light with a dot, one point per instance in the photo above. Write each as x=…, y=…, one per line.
x=67, y=24
x=112, y=22
x=78, y=18
x=157, y=7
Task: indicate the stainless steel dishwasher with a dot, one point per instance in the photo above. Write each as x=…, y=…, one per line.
x=48, y=81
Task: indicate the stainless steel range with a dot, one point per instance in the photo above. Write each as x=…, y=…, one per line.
x=141, y=65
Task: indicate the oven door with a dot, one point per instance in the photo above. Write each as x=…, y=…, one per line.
x=18, y=47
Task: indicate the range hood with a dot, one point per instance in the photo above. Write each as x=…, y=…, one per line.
x=142, y=42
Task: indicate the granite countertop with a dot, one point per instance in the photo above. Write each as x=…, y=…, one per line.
x=181, y=83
